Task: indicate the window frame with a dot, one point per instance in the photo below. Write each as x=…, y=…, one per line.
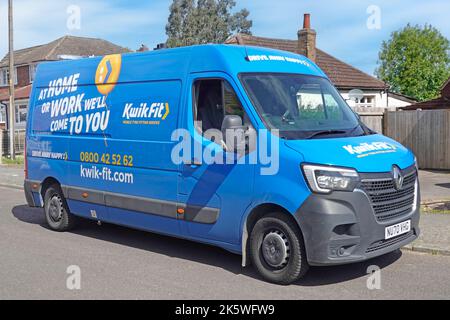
x=194, y=102
x=193, y=108
x=2, y=113
x=5, y=70
x=17, y=113
x=360, y=104
x=32, y=67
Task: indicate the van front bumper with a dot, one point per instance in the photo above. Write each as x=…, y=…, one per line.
x=341, y=228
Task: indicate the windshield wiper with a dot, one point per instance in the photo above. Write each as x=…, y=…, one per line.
x=354, y=129
x=325, y=132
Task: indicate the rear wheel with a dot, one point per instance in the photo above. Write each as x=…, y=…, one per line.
x=277, y=249
x=56, y=210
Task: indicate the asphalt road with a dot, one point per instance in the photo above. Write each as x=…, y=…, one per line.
x=119, y=263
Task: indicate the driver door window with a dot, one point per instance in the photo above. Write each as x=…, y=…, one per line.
x=213, y=100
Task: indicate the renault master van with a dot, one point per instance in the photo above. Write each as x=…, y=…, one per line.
x=143, y=140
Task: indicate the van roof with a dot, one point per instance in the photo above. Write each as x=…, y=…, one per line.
x=177, y=63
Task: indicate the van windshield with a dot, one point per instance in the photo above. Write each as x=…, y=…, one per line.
x=301, y=106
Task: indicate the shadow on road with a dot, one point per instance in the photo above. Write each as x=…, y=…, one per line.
x=443, y=185
x=201, y=253
x=318, y=276
x=29, y=215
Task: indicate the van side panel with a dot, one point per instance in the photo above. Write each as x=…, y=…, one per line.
x=132, y=164
x=110, y=150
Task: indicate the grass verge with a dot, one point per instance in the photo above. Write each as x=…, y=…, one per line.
x=438, y=208
x=18, y=161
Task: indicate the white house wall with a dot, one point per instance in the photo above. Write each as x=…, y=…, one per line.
x=381, y=99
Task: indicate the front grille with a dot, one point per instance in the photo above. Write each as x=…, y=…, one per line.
x=387, y=243
x=387, y=202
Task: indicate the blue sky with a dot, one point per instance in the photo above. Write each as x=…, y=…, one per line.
x=341, y=25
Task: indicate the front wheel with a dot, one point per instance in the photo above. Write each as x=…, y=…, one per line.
x=277, y=249
x=56, y=210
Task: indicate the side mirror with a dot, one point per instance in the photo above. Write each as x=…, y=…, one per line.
x=233, y=132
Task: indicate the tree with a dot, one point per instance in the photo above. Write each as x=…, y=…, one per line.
x=204, y=21
x=415, y=61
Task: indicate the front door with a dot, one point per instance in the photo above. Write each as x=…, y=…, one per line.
x=215, y=193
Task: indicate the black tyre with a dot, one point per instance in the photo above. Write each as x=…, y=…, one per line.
x=56, y=210
x=277, y=249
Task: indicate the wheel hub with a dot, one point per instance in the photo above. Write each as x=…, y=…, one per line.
x=55, y=209
x=275, y=249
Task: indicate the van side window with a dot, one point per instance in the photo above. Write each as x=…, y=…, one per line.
x=213, y=99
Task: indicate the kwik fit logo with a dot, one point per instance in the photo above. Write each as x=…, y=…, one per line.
x=144, y=111
x=370, y=148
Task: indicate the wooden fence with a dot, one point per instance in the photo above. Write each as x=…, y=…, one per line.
x=19, y=142
x=372, y=117
x=426, y=133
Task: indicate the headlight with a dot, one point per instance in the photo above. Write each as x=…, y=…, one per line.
x=323, y=179
x=416, y=163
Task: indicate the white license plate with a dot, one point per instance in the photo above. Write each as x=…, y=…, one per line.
x=397, y=229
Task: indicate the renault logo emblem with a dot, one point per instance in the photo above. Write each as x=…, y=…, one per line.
x=398, y=177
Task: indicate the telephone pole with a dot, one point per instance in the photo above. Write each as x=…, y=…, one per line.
x=12, y=107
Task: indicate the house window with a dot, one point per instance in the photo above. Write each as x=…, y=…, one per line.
x=21, y=113
x=4, y=76
x=365, y=102
x=2, y=114
x=33, y=68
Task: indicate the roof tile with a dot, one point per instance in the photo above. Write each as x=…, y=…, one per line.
x=67, y=45
x=439, y=103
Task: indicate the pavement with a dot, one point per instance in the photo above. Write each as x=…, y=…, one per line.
x=435, y=235
x=11, y=176
x=119, y=263
x=434, y=185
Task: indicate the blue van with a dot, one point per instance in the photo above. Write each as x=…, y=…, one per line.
x=128, y=139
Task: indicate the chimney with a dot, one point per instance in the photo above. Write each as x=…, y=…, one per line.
x=142, y=48
x=160, y=46
x=307, y=39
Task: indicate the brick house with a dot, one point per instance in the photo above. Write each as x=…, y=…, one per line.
x=443, y=102
x=26, y=60
x=375, y=93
